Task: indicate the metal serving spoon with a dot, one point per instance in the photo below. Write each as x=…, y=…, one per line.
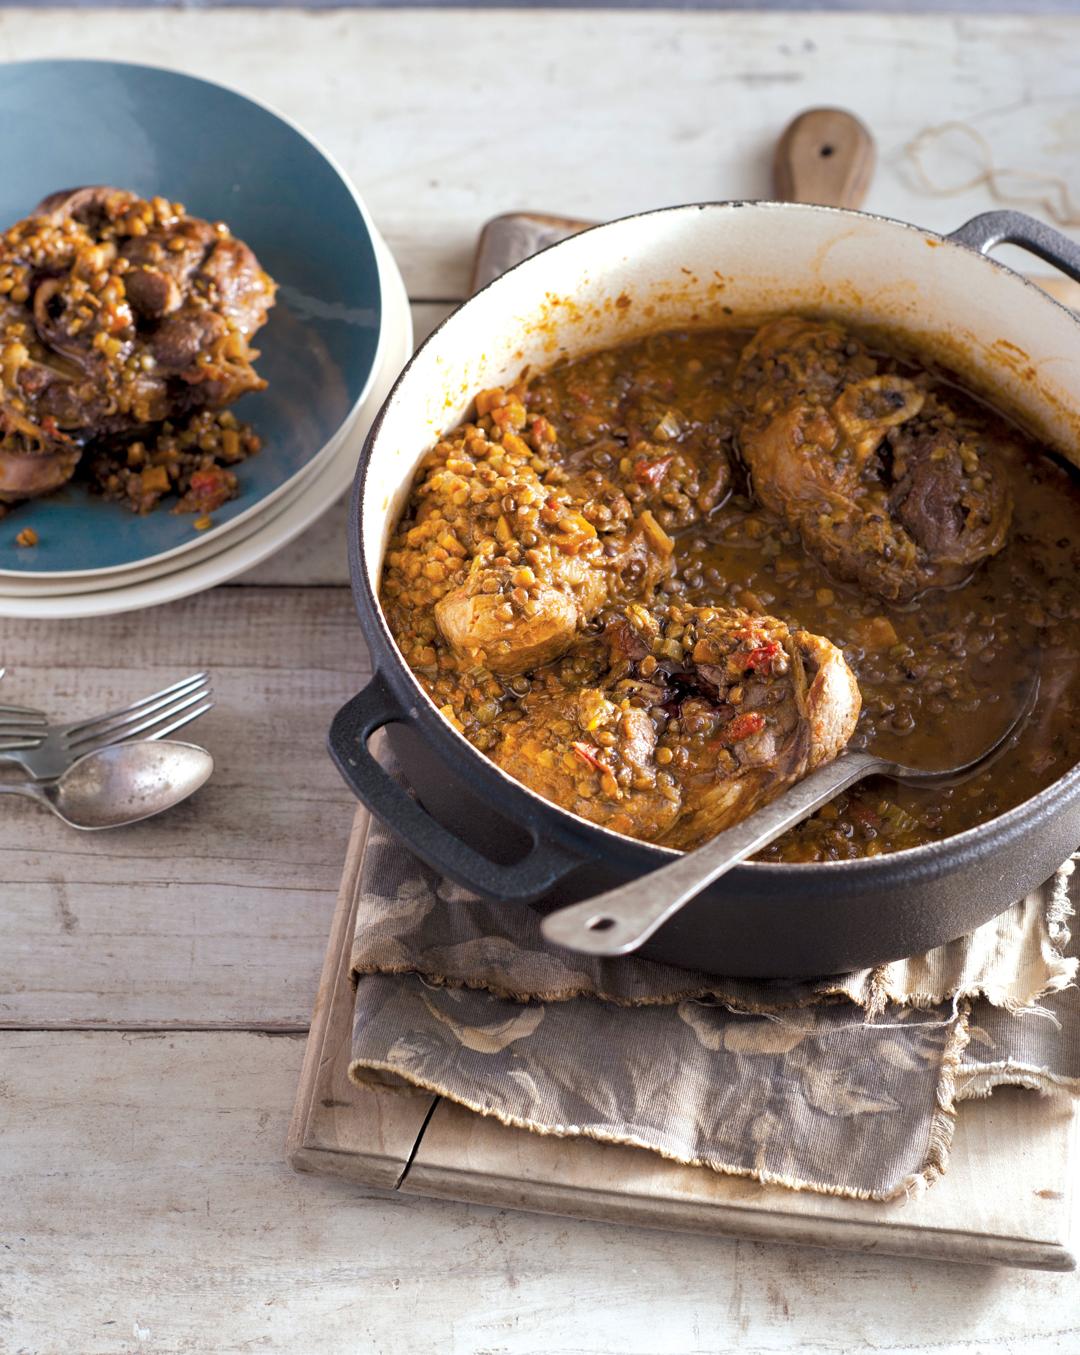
x=120, y=784
x=619, y=921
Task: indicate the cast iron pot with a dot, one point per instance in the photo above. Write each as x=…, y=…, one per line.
x=697, y=265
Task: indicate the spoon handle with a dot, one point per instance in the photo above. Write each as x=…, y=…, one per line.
x=619, y=921
x=32, y=790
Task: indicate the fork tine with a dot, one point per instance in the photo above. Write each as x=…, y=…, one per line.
x=117, y=727
x=143, y=705
x=22, y=729
x=25, y=738
x=185, y=719
x=104, y=728
x=29, y=712
x=133, y=725
x=16, y=719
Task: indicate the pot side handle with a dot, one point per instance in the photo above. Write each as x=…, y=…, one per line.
x=985, y=231
x=354, y=724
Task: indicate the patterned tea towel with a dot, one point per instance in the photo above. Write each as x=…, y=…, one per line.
x=847, y=1086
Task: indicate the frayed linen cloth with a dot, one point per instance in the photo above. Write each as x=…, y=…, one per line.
x=847, y=1086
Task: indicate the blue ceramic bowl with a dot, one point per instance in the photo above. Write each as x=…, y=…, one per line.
x=225, y=158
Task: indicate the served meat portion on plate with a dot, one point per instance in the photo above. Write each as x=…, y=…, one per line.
x=886, y=484
x=121, y=319
x=704, y=715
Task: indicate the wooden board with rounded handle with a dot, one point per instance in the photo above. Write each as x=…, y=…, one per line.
x=825, y=156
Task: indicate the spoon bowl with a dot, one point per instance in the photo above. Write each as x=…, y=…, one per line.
x=121, y=784
x=618, y=922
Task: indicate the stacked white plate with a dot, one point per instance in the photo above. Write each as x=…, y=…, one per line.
x=256, y=535
x=335, y=341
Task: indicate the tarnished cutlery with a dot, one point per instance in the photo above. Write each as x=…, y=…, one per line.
x=29, y=711
x=121, y=783
x=45, y=751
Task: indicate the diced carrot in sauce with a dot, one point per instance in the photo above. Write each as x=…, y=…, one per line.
x=878, y=633
x=744, y=727
x=652, y=472
x=51, y=427
x=760, y=659
x=209, y=488
x=154, y=480
x=542, y=431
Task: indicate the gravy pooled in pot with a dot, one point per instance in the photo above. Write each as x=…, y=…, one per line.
x=660, y=583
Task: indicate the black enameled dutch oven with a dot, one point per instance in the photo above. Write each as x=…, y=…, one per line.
x=679, y=266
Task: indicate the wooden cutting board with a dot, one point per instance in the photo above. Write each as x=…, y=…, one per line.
x=1007, y=1198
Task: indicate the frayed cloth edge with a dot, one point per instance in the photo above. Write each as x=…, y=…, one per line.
x=979, y=1083
x=939, y=1138
x=942, y=1126
x=671, y=998
x=873, y=1004
x=876, y=993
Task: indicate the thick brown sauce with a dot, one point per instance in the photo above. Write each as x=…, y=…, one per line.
x=938, y=677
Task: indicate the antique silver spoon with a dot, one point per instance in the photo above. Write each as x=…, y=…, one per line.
x=120, y=784
x=619, y=921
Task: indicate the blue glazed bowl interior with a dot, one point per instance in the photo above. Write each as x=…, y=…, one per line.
x=224, y=158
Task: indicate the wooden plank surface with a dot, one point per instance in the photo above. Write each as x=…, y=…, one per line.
x=338, y=1128
x=147, y=1205
x=148, y=1208
x=1007, y=1198
x=412, y=102
x=945, y=6
x=217, y=913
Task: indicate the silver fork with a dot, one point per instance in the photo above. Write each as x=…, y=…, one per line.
x=30, y=711
x=45, y=751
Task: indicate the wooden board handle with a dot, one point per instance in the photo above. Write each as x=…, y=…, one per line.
x=826, y=156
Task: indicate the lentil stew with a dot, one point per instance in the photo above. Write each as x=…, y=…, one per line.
x=661, y=582
x=124, y=335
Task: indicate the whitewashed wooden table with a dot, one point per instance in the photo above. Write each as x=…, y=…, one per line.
x=156, y=983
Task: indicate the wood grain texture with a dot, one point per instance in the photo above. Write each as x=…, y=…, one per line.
x=942, y=6
x=1006, y=1199
x=147, y=1204
x=405, y=100
x=338, y=1128
x=217, y=912
x=826, y=156
x=379, y=1136
x=148, y=1208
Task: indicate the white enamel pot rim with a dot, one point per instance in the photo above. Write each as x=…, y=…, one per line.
x=1020, y=339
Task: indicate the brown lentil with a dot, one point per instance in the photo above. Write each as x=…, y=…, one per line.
x=637, y=433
